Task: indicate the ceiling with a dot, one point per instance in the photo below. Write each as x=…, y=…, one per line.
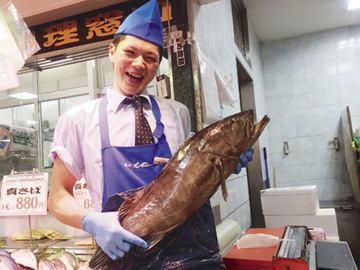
x=40, y=10
x=277, y=19
x=271, y=19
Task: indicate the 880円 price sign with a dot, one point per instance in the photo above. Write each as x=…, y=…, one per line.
x=24, y=194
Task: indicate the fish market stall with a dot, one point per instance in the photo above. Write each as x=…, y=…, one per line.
x=36, y=239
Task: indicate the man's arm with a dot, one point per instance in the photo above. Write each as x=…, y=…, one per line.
x=61, y=202
x=113, y=239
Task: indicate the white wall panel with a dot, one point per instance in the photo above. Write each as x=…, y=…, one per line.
x=215, y=37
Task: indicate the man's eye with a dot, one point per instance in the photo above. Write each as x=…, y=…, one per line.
x=151, y=59
x=127, y=52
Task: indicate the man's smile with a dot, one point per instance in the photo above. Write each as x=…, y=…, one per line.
x=136, y=78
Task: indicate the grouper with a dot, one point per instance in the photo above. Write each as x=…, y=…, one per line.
x=188, y=180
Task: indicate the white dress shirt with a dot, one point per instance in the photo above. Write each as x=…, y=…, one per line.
x=77, y=136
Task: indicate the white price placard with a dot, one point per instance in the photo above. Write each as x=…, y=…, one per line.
x=24, y=194
x=82, y=195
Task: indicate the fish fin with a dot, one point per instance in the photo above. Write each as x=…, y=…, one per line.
x=129, y=202
x=224, y=191
x=100, y=260
x=219, y=168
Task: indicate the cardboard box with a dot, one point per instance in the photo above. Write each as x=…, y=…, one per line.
x=302, y=200
x=324, y=218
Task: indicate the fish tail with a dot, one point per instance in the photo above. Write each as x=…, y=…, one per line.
x=100, y=260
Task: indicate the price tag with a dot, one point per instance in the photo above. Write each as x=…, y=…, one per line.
x=24, y=194
x=82, y=194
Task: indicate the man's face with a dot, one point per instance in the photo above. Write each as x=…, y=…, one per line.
x=135, y=63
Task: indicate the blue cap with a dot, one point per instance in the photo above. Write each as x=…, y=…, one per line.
x=144, y=23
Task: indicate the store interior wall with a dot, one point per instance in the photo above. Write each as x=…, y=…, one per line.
x=215, y=38
x=309, y=80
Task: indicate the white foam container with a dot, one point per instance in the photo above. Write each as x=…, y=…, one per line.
x=324, y=218
x=301, y=200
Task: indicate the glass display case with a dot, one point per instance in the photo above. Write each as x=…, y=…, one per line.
x=33, y=106
x=18, y=126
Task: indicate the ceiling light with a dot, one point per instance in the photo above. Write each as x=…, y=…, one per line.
x=23, y=95
x=353, y=4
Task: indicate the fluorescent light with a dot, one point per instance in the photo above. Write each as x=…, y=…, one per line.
x=23, y=95
x=31, y=122
x=353, y=4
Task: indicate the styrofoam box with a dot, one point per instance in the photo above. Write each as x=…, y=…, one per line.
x=301, y=200
x=324, y=218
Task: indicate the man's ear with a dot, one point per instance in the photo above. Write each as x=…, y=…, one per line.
x=112, y=50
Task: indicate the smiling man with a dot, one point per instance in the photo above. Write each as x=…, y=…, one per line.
x=105, y=140
x=135, y=63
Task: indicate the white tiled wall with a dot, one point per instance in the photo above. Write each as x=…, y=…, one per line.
x=215, y=37
x=308, y=82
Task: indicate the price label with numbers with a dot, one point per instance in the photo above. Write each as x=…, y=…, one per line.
x=24, y=194
x=82, y=194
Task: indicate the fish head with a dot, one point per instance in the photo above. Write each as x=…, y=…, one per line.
x=241, y=131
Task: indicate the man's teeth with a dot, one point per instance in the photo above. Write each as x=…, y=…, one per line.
x=135, y=76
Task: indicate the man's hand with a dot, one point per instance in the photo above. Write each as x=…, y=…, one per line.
x=113, y=239
x=245, y=158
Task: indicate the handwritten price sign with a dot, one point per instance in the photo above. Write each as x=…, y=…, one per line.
x=82, y=194
x=24, y=194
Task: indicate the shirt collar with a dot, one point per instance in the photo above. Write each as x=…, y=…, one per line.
x=115, y=98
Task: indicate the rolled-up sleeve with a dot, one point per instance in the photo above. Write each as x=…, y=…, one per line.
x=67, y=144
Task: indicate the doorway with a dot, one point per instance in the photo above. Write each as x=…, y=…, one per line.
x=254, y=171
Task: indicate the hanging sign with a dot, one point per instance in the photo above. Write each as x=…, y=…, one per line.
x=177, y=42
x=180, y=55
x=89, y=27
x=24, y=194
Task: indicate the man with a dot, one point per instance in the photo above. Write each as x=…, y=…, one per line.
x=97, y=140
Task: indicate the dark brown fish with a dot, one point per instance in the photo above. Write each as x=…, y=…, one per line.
x=190, y=178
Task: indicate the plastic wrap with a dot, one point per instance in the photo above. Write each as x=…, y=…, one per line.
x=8, y=78
x=257, y=240
x=209, y=91
x=16, y=44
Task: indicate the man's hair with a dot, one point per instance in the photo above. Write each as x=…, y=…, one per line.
x=118, y=38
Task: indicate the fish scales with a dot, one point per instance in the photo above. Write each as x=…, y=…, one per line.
x=190, y=178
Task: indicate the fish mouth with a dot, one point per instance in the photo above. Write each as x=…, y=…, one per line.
x=262, y=124
x=259, y=127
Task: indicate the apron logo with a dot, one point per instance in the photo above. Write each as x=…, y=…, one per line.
x=137, y=165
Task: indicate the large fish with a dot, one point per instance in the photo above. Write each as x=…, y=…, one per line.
x=190, y=178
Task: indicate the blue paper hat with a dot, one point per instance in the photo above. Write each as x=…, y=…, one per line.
x=144, y=23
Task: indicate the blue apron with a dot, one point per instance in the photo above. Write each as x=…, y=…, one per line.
x=194, y=243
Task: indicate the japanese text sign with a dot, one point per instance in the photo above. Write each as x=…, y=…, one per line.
x=82, y=195
x=24, y=194
x=90, y=27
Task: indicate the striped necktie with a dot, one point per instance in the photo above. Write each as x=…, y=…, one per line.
x=143, y=134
